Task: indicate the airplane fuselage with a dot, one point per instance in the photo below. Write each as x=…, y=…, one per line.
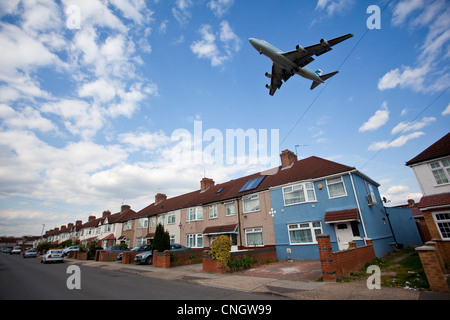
x=276, y=55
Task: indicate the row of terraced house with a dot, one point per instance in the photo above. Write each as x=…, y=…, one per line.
x=286, y=208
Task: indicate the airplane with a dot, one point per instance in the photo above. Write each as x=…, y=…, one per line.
x=286, y=64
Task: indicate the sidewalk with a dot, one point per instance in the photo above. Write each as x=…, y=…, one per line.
x=295, y=280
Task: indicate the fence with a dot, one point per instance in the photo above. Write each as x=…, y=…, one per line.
x=342, y=263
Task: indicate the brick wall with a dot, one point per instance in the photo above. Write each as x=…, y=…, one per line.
x=261, y=256
x=433, y=268
x=184, y=258
x=101, y=255
x=342, y=263
x=161, y=259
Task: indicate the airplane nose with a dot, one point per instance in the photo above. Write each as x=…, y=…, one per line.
x=253, y=43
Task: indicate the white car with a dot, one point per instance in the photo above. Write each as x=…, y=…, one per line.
x=53, y=255
x=16, y=250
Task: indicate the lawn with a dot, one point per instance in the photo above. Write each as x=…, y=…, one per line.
x=401, y=268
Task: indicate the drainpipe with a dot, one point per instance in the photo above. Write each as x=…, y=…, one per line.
x=359, y=208
x=239, y=223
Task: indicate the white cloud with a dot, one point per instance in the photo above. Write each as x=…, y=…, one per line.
x=27, y=118
x=412, y=126
x=333, y=7
x=220, y=7
x=378, y=120
x=446, y=111
x=399, y=194
x=430, y=73
x=207, y=47
x=181, y=11
x=398, y=142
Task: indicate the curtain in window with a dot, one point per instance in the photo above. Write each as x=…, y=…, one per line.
x=301, y=236
x=254, y=239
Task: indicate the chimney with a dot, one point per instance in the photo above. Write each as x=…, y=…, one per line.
x=206, y=183
x=160, y=197
x=411, y=203
x=91, y=218
x=78, y=222
x=70, y=225
x=63, y=227
x=287, y=158
x=124, y=208
x=106, y=213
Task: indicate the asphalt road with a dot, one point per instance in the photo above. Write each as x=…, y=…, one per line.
x=28, y=279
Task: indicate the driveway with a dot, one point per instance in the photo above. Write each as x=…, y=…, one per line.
x=306, y=270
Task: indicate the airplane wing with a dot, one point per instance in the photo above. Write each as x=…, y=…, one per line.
x=303, y=56
x=278, y=74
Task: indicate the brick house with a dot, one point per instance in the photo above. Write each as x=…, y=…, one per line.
x=432, y=170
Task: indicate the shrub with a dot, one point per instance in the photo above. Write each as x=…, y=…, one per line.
x=220, y=250
x=243, y=262
x=161, y=241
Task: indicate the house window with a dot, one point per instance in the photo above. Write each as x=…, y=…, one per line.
x=304, y=232
x=299, y=193
x=143, y=223
x=127, y=225
x=443, y=223
x=229, y=207
x=172, y=239
x=195, y=213
x=161, y=219
x=336, y=187
x=171, y=218
x=194, y=240
x=213, y=211
x=153, y=221
x=251, y=203
x=253, y=237
x=441, y=171
x=140, y=241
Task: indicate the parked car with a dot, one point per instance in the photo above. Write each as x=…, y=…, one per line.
x=7, y=250
x=30, y=253
x=16, y=250
x=144, y=247
x=70, y=249
x=178, y=247
x=144, y=258
x=116, y=248
x=53, y=255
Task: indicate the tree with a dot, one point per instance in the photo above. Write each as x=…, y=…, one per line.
x=161, y=241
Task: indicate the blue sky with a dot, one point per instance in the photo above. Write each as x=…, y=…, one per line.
x=92, y=92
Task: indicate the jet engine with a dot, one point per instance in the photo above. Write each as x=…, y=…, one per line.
x=324, y=43
x=268, y=75
x=300, y=49
x=268, y=86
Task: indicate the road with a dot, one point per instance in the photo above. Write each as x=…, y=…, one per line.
x=26, y=279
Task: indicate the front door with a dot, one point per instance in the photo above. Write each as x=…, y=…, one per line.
x=343, y=234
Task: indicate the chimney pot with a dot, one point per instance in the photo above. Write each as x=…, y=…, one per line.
x=106, y=213
x=206, y=183
x=287, y=158
x=124, y=208
x=91, y=218
x=160, y=197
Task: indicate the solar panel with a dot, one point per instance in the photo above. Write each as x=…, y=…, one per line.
x=252, y=184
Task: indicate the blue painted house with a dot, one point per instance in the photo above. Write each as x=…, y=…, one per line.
x=321, y=196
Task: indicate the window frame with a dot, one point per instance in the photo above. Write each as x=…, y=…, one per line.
x=255, y=230
x=251, y=197
x=335, y=183
x=310, y=227
x=213, y=211
x=442, y=221
x=441, y=167
x=193, y=238
x=304, y=189
x=195, y=212
x=231, y=205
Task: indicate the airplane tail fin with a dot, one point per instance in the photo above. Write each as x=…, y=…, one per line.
x=324, y=77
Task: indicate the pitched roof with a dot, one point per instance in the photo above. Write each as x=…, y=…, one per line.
x=435, y=200
x=305, y=169
x=440, y=148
